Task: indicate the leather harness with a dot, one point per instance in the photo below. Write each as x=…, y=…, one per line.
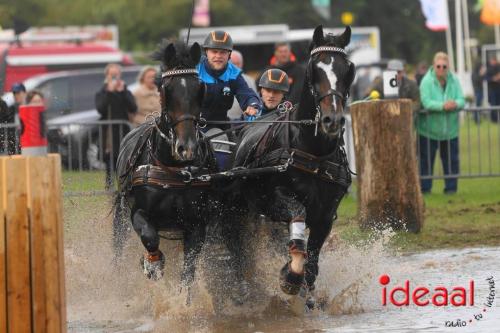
x=319, y=167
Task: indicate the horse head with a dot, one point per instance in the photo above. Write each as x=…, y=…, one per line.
x=330, y=75
x=181, y=95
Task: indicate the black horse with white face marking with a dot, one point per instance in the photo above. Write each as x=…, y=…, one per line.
x=308, y=193
x=158, y=160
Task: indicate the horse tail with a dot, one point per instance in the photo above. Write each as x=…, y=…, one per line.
x=120, y=219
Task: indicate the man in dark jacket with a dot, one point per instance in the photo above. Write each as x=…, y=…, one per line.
x=224, y=80
x=9, y=139
x=285, y=60
x=407, y=88
x=5, y=118
x=273, y=85
x=114, y=102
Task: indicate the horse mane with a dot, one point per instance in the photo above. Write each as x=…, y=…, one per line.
x=173, y=54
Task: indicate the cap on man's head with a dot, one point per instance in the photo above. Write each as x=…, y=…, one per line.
x=395, y=65
x=18, y=87
x=218, y=39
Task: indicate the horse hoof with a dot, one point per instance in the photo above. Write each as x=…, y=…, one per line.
x=290, y=282
x=153, y=267
x=306, y=292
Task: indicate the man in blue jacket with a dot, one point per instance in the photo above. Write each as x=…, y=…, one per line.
x=224, y=81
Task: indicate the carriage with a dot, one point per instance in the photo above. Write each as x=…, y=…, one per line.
x=289, y=165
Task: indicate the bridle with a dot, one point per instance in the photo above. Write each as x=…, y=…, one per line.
x=319, y=97
x=330, y=92
x=166, y=78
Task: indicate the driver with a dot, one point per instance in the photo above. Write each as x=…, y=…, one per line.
x=224, y=81
x=273, y=86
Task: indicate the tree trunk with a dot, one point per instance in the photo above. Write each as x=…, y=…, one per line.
x=386, y=163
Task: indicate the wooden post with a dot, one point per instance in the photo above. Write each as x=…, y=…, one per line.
x=386, y=163
x=32, y=288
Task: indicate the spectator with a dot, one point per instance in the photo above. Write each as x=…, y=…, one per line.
x=478, y=76
x=5, y=118
x=442, y=97
x=361, y=86
x=421, y=70
x=285, y=60
x=146, y=95
x=235, y=111
x=114, y=102
x=493, y=78
x=407, y=88
x=273, y=85
x=35, y=97
x=10, y=117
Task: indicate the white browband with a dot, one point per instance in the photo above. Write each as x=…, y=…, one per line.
x=175, y=72
x=328, y=49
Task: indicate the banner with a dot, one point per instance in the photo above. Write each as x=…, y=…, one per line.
x=201, y=15
x=322, y=7
x=435, y=14
x=491, y=12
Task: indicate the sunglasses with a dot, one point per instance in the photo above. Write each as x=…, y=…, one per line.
x=441, y=66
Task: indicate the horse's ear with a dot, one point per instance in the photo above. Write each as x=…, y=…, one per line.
x=195, y=52
x=318, y=37
x=169, y=53
x=345, y=38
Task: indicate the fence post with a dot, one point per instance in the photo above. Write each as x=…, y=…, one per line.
x=386, y=163
x=32, y=285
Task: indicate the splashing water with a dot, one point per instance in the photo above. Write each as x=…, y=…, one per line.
x=107, y=296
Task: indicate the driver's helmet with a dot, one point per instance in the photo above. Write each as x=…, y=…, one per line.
x=218, y=39
x=274, y=79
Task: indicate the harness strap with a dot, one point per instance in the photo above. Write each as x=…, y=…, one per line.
x=157, y=176
x=316, y=166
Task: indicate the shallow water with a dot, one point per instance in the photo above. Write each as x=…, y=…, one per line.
x=107, y=297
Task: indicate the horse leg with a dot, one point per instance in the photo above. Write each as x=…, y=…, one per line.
x=285, y=207
x=319, y=229
x=233, y=237
x=193, y=242
x=153, y=261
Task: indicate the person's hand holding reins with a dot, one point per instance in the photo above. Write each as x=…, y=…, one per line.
x=251, y=111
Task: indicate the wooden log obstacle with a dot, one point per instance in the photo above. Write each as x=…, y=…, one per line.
x=32, y=283
x=386, y=163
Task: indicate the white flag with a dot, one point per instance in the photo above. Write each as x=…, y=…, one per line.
x=435, y=12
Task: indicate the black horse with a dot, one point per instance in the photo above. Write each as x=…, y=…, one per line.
x=158, y=161
x=317, y=176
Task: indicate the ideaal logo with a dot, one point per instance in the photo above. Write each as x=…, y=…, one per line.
x=440, y=296
x=457, y=296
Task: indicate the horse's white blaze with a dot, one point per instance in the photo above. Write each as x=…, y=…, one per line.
x=327, y=68
x=183, y=82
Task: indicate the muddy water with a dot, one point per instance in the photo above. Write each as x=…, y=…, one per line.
x=106, y=297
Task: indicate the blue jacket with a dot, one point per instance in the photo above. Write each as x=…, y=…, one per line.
x=221, y=87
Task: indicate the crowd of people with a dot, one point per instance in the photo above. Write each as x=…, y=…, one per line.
x=233, y=95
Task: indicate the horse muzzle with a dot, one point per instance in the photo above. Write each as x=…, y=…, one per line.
x=185, y=152
x=332, y=125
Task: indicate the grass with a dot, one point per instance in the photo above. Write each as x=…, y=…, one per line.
x=469, y=218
